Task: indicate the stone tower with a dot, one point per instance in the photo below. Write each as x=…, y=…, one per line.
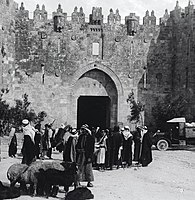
x=96, y=18
x=59, y=19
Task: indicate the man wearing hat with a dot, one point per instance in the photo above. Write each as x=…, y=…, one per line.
x=28, y=148
x=85, y=150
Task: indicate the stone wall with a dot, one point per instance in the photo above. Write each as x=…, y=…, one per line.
x=48, y=59
x=53, y=57
x=7, y=43
x=170, y=61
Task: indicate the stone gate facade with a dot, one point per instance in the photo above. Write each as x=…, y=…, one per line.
x=56, y=61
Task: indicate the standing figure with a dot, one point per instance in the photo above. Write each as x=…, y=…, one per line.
x=117, y=143
x=50, y=136
x=28, y=148
x=69, y=154
x=146, y=151
x=127, y=146
x=109, y=152
x=38, y=140
x=67, y=134
x=45, y=141
x=101, y=155
x=137, y=144
x=97, y=135
x=85, y=150
x=59, y=138
x=12, y=142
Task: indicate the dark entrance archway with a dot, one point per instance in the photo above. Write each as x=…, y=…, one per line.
x=94, y=111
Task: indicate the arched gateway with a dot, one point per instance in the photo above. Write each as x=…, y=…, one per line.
x=95, y=96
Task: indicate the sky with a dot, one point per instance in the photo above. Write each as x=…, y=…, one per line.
x=125, y=6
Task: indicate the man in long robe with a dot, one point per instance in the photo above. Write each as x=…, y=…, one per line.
x=127, y=146
x=137, y=144
x=146, y=151
x=28, y=148
x=117, y=143
x=85, y=150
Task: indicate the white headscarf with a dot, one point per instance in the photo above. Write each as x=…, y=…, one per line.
x=29, y=130
x=126, y=133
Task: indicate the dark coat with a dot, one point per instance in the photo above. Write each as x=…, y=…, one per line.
x=69, y=153
x=146, y=151
x=37, y=143
x=59, y=139
x=127, y=151
x=85, y=150
x=137, y=144
x=109, y=152
x=13, y=146
x=117, y=143
x=28, y=150
x=45, y=140
x=86, y=144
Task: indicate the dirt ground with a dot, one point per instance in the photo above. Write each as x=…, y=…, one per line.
x=170, y=176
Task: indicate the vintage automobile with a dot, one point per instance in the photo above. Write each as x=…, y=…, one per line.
x=178, y=133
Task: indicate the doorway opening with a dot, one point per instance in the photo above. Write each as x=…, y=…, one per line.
x=94, y=111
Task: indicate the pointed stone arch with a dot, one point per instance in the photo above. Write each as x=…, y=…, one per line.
x=76, y=90
x=83, y=69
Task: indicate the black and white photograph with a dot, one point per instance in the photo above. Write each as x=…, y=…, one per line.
x=97, y=99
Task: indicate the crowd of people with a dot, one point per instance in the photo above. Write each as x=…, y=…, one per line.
x=89, y=147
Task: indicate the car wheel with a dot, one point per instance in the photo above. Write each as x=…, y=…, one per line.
x=162, y=145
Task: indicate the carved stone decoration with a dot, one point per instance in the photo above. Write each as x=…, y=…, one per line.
x=117, y=38
x=73, y=37
x=43, y=35
x=57, y=73
x=145, y=40
x=131, y=75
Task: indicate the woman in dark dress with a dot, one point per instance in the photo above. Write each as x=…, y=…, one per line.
x=13, y=142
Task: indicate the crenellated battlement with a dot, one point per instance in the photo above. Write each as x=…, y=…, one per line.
x=78, y=16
